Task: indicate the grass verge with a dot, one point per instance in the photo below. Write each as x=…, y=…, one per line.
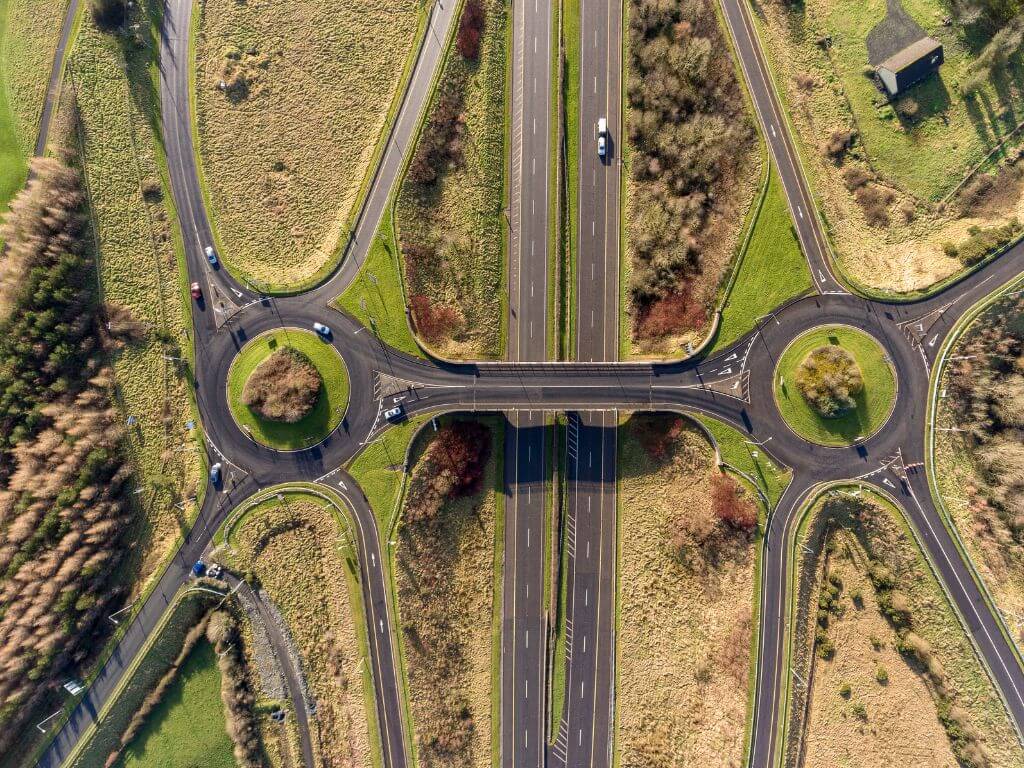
x=751, y=460
x=376, y=297
x=899, y=620
x=330, y=405
x=772, y=269
x=450, y=211
x=874, y=402
x=683, y=675
x=444, y=568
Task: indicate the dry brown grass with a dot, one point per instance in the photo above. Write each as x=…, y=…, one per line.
x=292, y=548
x=445, y=576
x=286, y=146
x=284, y=387
x=901, y=724
x=685, y=625
x=889, y=234
x=875, y=723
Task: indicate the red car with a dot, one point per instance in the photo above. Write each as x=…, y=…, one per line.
x=197, y=292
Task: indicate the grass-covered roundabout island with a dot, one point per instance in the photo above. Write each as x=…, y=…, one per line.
x=834, y=385
x=288, y=389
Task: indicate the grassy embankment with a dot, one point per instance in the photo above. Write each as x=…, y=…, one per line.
x=449, y=213
x=446, y=571
x=734, y=450
x=188, y=726
x=883, y=197
x=330, y=405
x=138, y=259
x=686, y=602
x=571, y=125
x=302, y=554
x=376, y=297
x=297, y=179
x=892, y=674
x=29, y=31
x=873, y=403
x=978, y=452
x=772, y=269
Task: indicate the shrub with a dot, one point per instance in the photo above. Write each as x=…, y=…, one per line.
x=471, y=27
x=688, y=132
x=730, y=504
x=855, y=177
x=452, y=466
x=881, y=675
x=987, y=240
x=673, y=313
x=656, y=432
x=440, y=144
x=838, y=144
x=845, y=690
x=874, y=200
x=434, y=322
x=829, y=379
x=284, y=387
x=859, y=710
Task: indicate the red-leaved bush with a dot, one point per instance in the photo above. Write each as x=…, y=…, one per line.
x=730, y=505
x=434, y=323
x=675, y=313
x=452, y=466
x=656, y=432
x=471, y=27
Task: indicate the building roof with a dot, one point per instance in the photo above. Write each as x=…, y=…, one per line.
x=912, y=53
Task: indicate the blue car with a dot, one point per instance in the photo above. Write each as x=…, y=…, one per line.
x=211, y=255
x=215, y=474
x=199, y=569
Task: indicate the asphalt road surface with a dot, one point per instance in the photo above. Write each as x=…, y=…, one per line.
x=524, y=619
x=585, y=735
x=734, y=386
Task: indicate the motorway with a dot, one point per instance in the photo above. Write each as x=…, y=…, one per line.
x=524, y=617
x=734, y=386
x=585, y=732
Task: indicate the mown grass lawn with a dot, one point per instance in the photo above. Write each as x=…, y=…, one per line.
x=873, y=403
x=188, y=727
x=379, y=468
x=376, y=298
x=329, y=408
x=773, y=269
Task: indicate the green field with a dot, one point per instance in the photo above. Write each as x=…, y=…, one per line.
x=772, y=271
x=874, y=402
x=329, y=408
x=187, y=728
x=379, y=289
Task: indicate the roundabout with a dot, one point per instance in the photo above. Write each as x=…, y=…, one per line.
x=268, y=377
x=834, y=385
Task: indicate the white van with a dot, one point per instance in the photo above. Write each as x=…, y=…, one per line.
x=602, y=137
